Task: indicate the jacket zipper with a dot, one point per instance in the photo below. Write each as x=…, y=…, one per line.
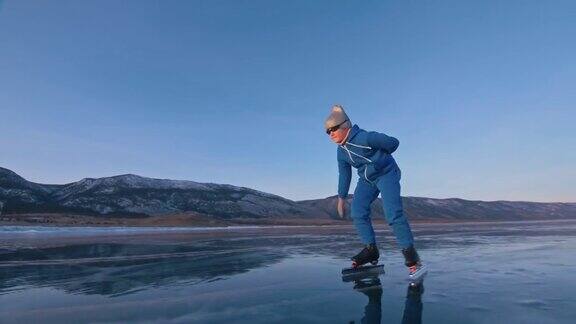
x=367, y=159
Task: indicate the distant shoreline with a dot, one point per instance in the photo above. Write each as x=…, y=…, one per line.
x=184, y=222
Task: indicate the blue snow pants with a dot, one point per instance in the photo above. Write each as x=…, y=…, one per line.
x=389, y=186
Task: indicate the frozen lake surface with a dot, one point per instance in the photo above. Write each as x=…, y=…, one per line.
x=514, y=272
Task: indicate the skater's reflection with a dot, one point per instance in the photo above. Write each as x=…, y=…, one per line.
x=413, y=304
x=372, y=288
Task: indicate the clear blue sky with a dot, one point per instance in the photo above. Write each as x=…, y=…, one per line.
x=481, y=94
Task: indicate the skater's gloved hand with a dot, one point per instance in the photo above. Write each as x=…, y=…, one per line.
x=341, y=207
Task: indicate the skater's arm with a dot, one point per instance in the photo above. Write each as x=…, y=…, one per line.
x=345, y=176
x=383, y=141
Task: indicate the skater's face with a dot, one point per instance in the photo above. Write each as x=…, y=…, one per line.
x=337, y=134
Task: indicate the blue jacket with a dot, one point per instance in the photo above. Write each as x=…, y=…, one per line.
x=369, y=152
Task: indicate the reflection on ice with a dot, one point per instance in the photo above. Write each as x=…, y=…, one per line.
x=112, y=269
x=483, y=273
x=371, y=287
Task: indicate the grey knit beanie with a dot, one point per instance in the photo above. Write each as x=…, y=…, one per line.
x=337, y=116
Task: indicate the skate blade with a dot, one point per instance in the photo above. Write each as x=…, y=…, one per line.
x=419, y=275
x=350, y=274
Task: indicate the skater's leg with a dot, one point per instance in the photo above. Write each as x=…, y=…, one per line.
x=389, y=186
x=364, y=195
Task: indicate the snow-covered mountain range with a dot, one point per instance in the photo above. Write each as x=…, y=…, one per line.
x=135, y=196
x=132, y=195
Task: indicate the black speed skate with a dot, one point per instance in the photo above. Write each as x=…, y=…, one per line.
x=369, y=254
x=416, y=269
